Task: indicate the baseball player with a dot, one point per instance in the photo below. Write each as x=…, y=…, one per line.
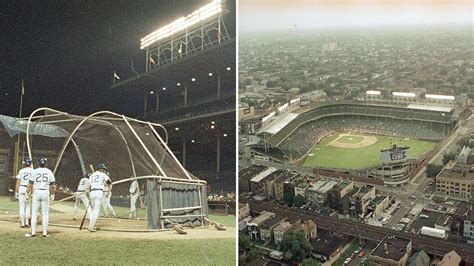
x=41, y=184
x=134, y=193
x=81, y=195
x=22, y=179
x=98, y=181
x=106, y=199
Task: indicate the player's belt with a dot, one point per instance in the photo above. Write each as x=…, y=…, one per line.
x=23, y=186
x=97, y=189
x=41, y=189
x=81, y=191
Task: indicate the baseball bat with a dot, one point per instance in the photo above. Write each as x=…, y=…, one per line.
x=90, y=206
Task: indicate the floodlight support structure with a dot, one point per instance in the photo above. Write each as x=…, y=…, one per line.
x=198, y=37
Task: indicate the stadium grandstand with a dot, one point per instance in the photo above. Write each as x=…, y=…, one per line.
x=292, y=136
x=189, y=87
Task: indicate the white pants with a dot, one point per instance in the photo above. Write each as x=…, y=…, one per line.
x=106, y=203
x=24, y=203
x=40, y=197
x=82, y=196
x=96, y=200
x=133, y=202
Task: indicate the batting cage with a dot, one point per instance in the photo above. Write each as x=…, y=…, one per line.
x=131, y=149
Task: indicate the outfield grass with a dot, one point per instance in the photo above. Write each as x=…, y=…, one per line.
x=61, y=250
x=359, y=158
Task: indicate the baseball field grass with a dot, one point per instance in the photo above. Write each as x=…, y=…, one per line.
x=63, y=250
x=324, y=155
x=69, y=246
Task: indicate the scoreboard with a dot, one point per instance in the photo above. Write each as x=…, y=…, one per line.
x=395, y=155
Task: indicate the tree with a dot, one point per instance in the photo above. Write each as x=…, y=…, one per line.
x=432, y=170
x=244, y=242
x=299, y=201
x=252, y=254
x=448, y=157
x=295, y=246
x=271, y=84
x=288, y=198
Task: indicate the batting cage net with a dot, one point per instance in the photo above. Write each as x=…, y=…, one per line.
x=131, y=149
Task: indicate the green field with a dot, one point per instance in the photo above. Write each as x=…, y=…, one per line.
x=351, y=139
x=323, y=155
x=62, y=250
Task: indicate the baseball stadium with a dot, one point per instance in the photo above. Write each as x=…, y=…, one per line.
x=380, y=142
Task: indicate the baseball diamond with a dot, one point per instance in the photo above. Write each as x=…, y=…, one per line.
x=361, y=151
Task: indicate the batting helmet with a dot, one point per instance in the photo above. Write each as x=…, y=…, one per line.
x=42, y=161
x=27, y=162
x=101, y=166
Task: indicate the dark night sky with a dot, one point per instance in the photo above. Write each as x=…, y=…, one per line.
x=66, y=52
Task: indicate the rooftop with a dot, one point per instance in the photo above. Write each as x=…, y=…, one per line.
x=259, y=177
x=316, y=186
x=284, y=177
x=392, y=248
x=251, y=171
x=328, y=186
x=458, y=171
x=280, y=123
x=327, y=242
x=377, y=200
x=272, y=221
x=264, y=216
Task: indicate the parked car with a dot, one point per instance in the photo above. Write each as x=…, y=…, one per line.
x=361, y=254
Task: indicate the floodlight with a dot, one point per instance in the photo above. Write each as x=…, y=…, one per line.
x=193, y=79
x=228, y=68
x=164, y=88
x=179, y=84
x=176, y=128
x=210, y=74
x=151, y=92
x=225, y=135
x=203, y=13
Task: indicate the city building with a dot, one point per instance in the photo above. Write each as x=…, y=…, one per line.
x=267, y=227
x=253, y=226
x=284, y=227
x=419, y=259
x=361, y=200
x=391, y=251
x=456, y=181
x=281, y=185
x=449, y=259
x=312, y=192
x=468, y=230
x=377, y=206
x=336, y=194
x=258, y=183
x=327, y=245
x=247, y=174
x=244, y=211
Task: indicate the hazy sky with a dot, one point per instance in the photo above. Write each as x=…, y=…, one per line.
x=273, y=15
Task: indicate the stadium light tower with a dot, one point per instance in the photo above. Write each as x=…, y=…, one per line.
x=200, y=30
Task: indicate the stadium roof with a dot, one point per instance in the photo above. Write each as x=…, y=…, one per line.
x=404, y=94
x=372, y=92
x=280, y=123
x=439, y=97
x=434, y=108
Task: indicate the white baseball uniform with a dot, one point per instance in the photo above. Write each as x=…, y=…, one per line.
x=134, y=193
x=97, y=183
x=42, y=179
x=106, y=202
x=81, y=195
x=24, y=176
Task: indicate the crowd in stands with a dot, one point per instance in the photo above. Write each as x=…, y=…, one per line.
x=306, y=136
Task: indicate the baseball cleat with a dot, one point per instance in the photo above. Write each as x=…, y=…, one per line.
x=22, y=226
x=46, y=235
x=73, y=219
x=29, y=235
